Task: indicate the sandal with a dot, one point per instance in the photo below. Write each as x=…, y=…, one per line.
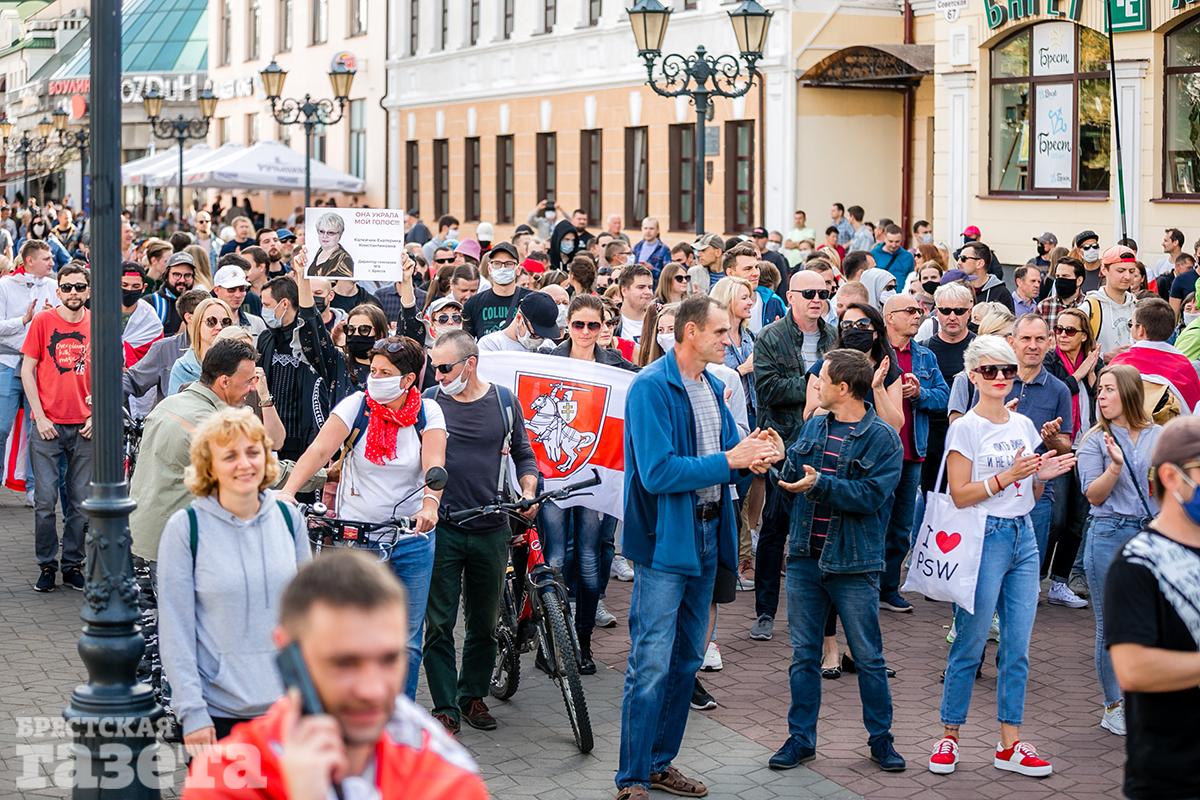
x=674, y=782
x=634, y=793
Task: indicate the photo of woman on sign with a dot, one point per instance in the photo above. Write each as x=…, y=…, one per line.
x=331, y=259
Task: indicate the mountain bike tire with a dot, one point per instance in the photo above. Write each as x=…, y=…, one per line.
x=506, y=673
x=567, y=661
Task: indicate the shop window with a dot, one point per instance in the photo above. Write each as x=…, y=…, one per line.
x=1050, y=112
x=637, y=169
x=547, y=166
x=739, y=176
x=1181, y=134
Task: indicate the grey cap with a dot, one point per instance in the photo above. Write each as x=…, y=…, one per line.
x=181, y=257
x=709, y=240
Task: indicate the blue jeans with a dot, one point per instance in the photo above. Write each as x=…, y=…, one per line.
x=810, y=594
x=900, y=527
x=668, y=623
x=1008, y=583
x=1042, y=512
x=412, y=563
x=1105, y=537
x=588, y=535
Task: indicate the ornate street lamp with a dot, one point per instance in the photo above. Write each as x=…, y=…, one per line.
x=112, y=715
x=26, y=145
x=700, y=76
x=77, y=139
x=181, y=128
x=309, y=112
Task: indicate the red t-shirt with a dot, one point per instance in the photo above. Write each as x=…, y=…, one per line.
x=904, y=359
x=63, y=351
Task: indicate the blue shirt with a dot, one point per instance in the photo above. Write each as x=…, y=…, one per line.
x=1124, y=498
x=899, y=263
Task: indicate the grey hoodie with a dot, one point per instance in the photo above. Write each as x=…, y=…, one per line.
x=216, y=615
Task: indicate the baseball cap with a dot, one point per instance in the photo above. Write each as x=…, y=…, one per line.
x=285, y=235
x=522, y=228
x=484, y=232
x=470, y=248
x=1179, y=443
x=541, y=312
x=181, y=258
x=955, y=275
x=1046, y=238
x=709, y=240
x=414, y=212
x=503, y=247
x=972, y=231
x=759, y=233
x=1118, y=253
x=440, y=303
x=1083, y=236
x=532, y=265
x=230, y=276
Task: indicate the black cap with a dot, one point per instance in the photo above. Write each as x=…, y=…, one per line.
x=1083, y=236
x=759, y=233
x=503, y=247
x=522, y=228
x=541, y=312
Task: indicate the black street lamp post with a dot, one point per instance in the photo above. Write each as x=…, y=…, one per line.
x=77, y=139
x=700, y=76
x=308, y=112
x=181, y=128
x=112, y=716
x=27, y=145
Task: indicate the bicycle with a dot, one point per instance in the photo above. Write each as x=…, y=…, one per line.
x=132, y=440
x=535, y=610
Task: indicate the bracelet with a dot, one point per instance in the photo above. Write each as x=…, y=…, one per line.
x=437, y=500
x=268, y=403
x=987, y=486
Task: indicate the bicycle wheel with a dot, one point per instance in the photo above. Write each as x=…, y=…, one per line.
x=506, y=674
x=567, y=659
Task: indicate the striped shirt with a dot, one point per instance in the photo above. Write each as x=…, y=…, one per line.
x=707, y=415
x=823, y=513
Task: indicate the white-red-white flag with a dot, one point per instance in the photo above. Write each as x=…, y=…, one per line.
x=574, y=413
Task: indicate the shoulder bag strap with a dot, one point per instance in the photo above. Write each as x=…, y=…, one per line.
x=193, y=534
x=287, y=517
x=1136, y=485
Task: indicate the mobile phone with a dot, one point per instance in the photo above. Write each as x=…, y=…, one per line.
x=294, y=673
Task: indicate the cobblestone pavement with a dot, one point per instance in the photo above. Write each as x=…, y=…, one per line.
x=532, y=754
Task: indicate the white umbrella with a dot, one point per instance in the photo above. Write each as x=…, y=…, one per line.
x=167, y=173
x=135, y=172
x=268, y=165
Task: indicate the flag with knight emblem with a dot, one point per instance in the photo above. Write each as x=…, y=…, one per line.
x=574, y=413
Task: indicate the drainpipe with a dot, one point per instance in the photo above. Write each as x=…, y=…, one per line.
x=762, y=146
x=910, y=102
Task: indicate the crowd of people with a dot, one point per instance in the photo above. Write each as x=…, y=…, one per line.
x=798, y=396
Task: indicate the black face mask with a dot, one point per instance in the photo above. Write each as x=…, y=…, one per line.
x=862, y=341
x=128, y=298
x=973, y=327
x=359, y=345
x=320, y=304
x=1065, y=287
x=930, y=286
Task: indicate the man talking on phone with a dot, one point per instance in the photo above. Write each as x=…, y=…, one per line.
x=346, y=612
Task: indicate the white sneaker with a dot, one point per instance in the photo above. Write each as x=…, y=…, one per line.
x=712, y=659
x=604, y=618
x=620, y=569
x=944, y=758
x=744, y=584
x=29, y=503
x=1114, y=719
x=994, y=629
x=1061, y=595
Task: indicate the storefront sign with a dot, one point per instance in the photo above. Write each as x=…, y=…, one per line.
x=1178, y=5
x=1054, y=48
x=999, y=12
x=1055, y=143
x=174, y=88
x=1129, y=15
x=235, y=87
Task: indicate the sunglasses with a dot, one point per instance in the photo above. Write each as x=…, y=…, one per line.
x=611, y=323
x=990, y=371
x=809, y=294
x=964, y=258
x=360, y=330
x=1063, y=330
x=389, y=347
x=213, y=322
x=445, y=319
x=909, y=310
x=67, y=288
x=1090, y=247
x=445, y=369
x=578, y=325
x=681, y=278
x=948, y=311
x=863, y=324
x=449, y=260
x=328, y=233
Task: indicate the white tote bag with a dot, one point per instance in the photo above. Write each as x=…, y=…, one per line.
x=947, y=549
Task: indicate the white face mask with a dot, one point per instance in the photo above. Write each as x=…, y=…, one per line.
x=550, y=215
x=803, y=254
x=1188, y=319
x=666, y=341
x=269, y=318
x=384, y=390
x=1091, y=256
x=503, y=276
x=452, y=235
x=926, y=238
x=774, y=246
x=561, y=322
x=526, y=338
x=454, y=387
x=885, y=295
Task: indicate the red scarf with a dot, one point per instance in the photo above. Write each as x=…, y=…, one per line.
x=1076, y=416
x=384, y=424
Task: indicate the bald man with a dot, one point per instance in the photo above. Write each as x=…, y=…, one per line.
x=925, y=393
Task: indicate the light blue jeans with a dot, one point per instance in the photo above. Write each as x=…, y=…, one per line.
x=1043, y=511
x=1008, y=583
x=1105, y=537
x=412, y=563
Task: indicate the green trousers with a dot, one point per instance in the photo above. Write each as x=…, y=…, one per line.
x=471, y=565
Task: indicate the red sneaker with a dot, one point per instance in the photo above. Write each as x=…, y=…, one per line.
x=945, y=756
x=1022, y=757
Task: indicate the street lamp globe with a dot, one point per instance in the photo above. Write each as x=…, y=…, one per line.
x=340, y=78
x=60, y=119
x=45, y=128
x=273, y=77
x=208, y=103
x=152, y=102
x=5, y=128
x=648, y=19
x=750, y=22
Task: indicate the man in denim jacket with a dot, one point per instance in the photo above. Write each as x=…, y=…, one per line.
x=842, y=469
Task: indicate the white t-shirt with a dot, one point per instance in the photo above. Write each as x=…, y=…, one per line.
x=499, y=342
x=368, y=492
x=992, y=448
x=631, y=329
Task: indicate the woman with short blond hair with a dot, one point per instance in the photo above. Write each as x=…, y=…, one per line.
x=209, y=319
x=222, y=564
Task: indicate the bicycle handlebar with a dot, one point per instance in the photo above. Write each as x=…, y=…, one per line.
x=562, y=493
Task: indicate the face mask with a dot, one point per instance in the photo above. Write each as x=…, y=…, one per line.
x=452, y=235
x=269, y=318
x=359, y=345
x=1188, y=319
x=529, y=341
x=774, y=246
x=320, y=304
x=454, y=387
x=1191, y=507
x=858, y=340
x=1065, y=287
x=803, y=254
x=973, y=327
x=666, y=341
x=926, y=238
x=39, y=231
x=930, y=287
x=567, y=246
x=885, y=295
x=384, y=390
x=550, y=215
x=561, y=322
x=1091, y=256
x=128, y=298
x=503, y=276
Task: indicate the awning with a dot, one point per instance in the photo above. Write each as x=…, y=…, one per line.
x=878, y=66
x=166, y=173
x=138, y=171
x=267, y=165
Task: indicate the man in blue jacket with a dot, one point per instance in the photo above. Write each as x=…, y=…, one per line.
x=681, y=454
x=891, y=255
x=842, y=471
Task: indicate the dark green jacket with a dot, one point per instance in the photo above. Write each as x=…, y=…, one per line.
x=780, y=374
